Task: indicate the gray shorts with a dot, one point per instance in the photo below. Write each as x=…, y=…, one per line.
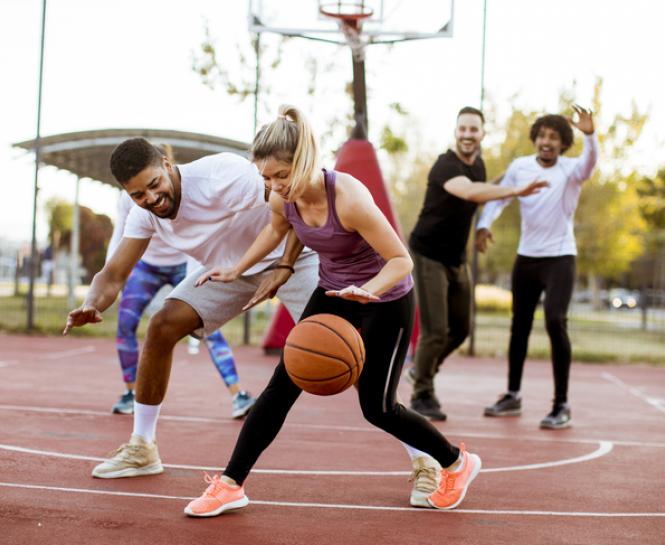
x=217, y=302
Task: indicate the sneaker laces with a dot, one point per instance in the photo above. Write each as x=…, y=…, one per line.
x=124, y=450
x=425, y=479
x=215, y=484
x=449, y=477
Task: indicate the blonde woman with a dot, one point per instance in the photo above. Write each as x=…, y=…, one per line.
x=364, y=277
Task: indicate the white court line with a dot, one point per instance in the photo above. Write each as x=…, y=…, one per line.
x=226, y=421
x=654, y=402
x=67, y=353
x=604, y=448
x=347, y=506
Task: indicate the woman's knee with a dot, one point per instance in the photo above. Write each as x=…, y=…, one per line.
x=375, y=414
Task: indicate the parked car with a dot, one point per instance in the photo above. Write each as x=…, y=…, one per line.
x=622, y=298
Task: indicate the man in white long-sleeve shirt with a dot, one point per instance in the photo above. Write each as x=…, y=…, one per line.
x=546, y=255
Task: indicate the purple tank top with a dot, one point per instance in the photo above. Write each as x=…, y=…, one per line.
x=345, y=257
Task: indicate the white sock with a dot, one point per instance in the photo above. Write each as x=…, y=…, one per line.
x=145, y=420
x=461, y=461
x=414, y=452
x=515, y=394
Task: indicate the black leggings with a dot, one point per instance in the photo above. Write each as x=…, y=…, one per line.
x=531, y=276
x=386, y=331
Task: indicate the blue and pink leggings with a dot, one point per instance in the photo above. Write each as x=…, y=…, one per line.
x=142, y=285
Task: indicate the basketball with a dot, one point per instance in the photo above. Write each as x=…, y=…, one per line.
x=324, y=354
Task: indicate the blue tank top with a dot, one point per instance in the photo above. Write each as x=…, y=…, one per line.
x=345, y=257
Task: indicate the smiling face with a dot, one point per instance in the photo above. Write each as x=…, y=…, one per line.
x=276, y=175
x=549, y=145
x=153, y=189
x=469, y=134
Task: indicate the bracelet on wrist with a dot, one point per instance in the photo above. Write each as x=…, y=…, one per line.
x=281, y=266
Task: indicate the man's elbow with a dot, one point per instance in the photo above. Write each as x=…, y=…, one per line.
x=459, y=190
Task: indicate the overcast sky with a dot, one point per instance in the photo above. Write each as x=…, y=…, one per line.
x=127, y=63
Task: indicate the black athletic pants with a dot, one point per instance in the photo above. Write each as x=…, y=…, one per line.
x=531, y=277
x=386, y=331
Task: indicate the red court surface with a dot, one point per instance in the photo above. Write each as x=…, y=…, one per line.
x=329, y=478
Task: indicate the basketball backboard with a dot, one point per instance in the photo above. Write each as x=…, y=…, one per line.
x=390, y=20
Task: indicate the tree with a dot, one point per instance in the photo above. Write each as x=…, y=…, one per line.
x=214, y=72
x=97, y=228
x=406, y=175
x=608, y=224
x=649, y=271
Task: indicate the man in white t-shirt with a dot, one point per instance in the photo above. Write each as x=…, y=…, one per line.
x=545, y=260
x=211, y=210
x=160, y=266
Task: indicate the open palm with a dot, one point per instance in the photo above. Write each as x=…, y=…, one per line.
x=584, y=119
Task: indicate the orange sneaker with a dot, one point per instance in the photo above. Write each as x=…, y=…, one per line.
x=454, y=485
x=217, y=498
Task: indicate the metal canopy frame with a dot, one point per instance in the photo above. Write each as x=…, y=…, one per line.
x=86, y=154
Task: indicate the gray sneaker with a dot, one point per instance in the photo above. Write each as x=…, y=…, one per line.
x=426, y=478
x=133, y=459
x=242, y=403
x=429, y=407
x=507, y=405
x=559, y=418
x=410, y=375
x=124, y=405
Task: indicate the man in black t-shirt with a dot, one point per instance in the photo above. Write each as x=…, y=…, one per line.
x=455, y=187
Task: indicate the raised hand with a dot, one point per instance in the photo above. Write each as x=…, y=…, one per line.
x=483, y=238
x=354, y=293
x=81, y=316
x=268, y=287
x=530, y=189
x=584, y=119
x=218, y=274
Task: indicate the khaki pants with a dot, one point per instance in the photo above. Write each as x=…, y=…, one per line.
x=444, y=299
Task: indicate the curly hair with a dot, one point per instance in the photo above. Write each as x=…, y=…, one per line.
x=131, y=157
x=557, y=123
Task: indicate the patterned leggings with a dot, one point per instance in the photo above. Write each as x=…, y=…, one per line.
x=142, y=285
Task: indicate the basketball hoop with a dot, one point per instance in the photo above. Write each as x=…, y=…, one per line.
x=350, y=17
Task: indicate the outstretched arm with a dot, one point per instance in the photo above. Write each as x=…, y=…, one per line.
x=587, y=161
x=283, y=270
x=107, y=283
x=482, y=192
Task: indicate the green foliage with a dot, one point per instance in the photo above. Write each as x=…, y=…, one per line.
x=652, y=199
x=210, y=62
x=97, y=229
x=408, y=194
x=60, y=216
x=391, y=142
x=609, y=228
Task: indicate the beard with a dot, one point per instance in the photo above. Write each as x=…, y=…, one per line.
x=161, y=211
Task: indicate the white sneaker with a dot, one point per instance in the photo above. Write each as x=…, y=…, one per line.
x=426, y=479
x=133, y=459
